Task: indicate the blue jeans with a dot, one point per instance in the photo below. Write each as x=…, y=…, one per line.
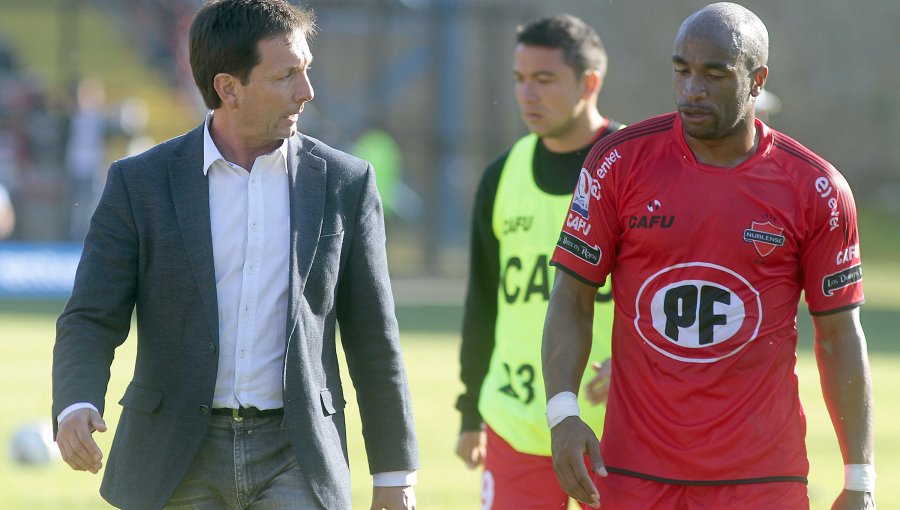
x=244, y=465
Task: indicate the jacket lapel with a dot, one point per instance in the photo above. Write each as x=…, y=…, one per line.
x=307, y=181
x=190, y=193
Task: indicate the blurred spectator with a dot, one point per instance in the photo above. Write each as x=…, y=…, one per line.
x=379, y=148
x=13, y=150
x=8, y=62
x=131, y=121
x=85, y=155
x=7, y=214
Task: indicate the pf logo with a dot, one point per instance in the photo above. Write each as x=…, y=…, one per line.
x=697, y=312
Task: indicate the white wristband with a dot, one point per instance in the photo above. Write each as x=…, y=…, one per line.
x=561, y=406
x=859, y=477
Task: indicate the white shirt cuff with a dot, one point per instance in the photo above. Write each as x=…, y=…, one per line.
x=394, y=479
x=74, y=407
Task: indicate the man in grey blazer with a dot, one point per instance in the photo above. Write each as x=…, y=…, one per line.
x=241, y=244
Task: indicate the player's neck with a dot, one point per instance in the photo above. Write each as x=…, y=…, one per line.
x=584, y=130
x=727, y=152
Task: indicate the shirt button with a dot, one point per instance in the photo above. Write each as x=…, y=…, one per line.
x=212, y=347
x=204, y=410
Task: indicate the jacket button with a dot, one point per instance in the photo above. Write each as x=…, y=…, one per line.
x=204, y=410
x=212, y=347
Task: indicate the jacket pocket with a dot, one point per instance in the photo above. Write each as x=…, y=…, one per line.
x=329, y=404
x=141, y=399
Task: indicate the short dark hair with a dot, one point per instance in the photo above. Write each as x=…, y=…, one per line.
x=225, y=33
x=582, y=47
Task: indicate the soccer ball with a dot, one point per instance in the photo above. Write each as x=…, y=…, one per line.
x=32, y=444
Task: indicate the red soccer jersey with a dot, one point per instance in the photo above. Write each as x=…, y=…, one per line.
x=707, y=267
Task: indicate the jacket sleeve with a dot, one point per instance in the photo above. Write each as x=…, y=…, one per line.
x=371, y=341
x=97, y=317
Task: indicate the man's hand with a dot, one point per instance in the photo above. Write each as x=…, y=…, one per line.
x=75, y=442
x=471, y=447
x=597, y=389
x=854, y=500
x=571, y=439
x=393, y=498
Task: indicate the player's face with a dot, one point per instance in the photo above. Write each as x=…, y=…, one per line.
x=277, y=89
x=712, y=88
x=549, y=94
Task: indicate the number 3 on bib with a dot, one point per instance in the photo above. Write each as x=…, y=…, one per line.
x=523, y=378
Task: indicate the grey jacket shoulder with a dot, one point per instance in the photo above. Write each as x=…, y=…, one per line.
x=186, y=144
x=318, y=148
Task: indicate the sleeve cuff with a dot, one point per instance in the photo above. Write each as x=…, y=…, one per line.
x=394, y=479
x=72, y=408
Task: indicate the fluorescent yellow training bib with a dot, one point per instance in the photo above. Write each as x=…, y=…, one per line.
x=527, y=222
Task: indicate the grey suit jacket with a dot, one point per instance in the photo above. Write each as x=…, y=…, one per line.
x=149, y=249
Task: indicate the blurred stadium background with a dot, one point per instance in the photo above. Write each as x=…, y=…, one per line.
x=422, y=88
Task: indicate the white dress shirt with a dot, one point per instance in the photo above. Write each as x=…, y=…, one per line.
x=250, y=223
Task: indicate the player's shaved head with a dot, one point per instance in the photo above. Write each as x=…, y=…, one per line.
x=731, y=25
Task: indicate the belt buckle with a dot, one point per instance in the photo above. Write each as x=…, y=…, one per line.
x=236, y=415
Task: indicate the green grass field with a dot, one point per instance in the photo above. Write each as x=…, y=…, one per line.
x=27, y=329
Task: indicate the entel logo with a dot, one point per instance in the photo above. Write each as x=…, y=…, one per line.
x=587, y=184
x=608, y=161
x=825, y=189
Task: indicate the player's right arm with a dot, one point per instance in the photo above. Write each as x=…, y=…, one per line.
x=479, y=317
x=565, y=351
x=583, y=257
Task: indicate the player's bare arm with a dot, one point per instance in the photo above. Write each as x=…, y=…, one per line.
x=847, y=388
x=565, y=351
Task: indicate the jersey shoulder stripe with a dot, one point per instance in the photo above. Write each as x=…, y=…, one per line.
x=796, y=149
x=644, y=128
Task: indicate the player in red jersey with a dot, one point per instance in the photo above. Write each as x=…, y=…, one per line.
x=710, y=224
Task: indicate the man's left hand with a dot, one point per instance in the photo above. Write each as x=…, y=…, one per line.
x=393, y=498
x=854, y=500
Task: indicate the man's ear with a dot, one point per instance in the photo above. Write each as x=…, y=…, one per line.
x=759, y=80
x=228, y=88
x=592, y=82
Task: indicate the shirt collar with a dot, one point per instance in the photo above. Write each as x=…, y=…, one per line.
x=211, y=153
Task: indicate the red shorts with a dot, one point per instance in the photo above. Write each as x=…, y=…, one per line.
x=517, y=481
x=621, y=492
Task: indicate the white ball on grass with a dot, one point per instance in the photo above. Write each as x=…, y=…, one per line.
x=32, y=444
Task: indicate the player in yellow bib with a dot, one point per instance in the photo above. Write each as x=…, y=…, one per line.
x=520, y=206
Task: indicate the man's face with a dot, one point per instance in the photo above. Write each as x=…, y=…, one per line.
x=549, y=94
x=277, y=89
x=712, y=87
